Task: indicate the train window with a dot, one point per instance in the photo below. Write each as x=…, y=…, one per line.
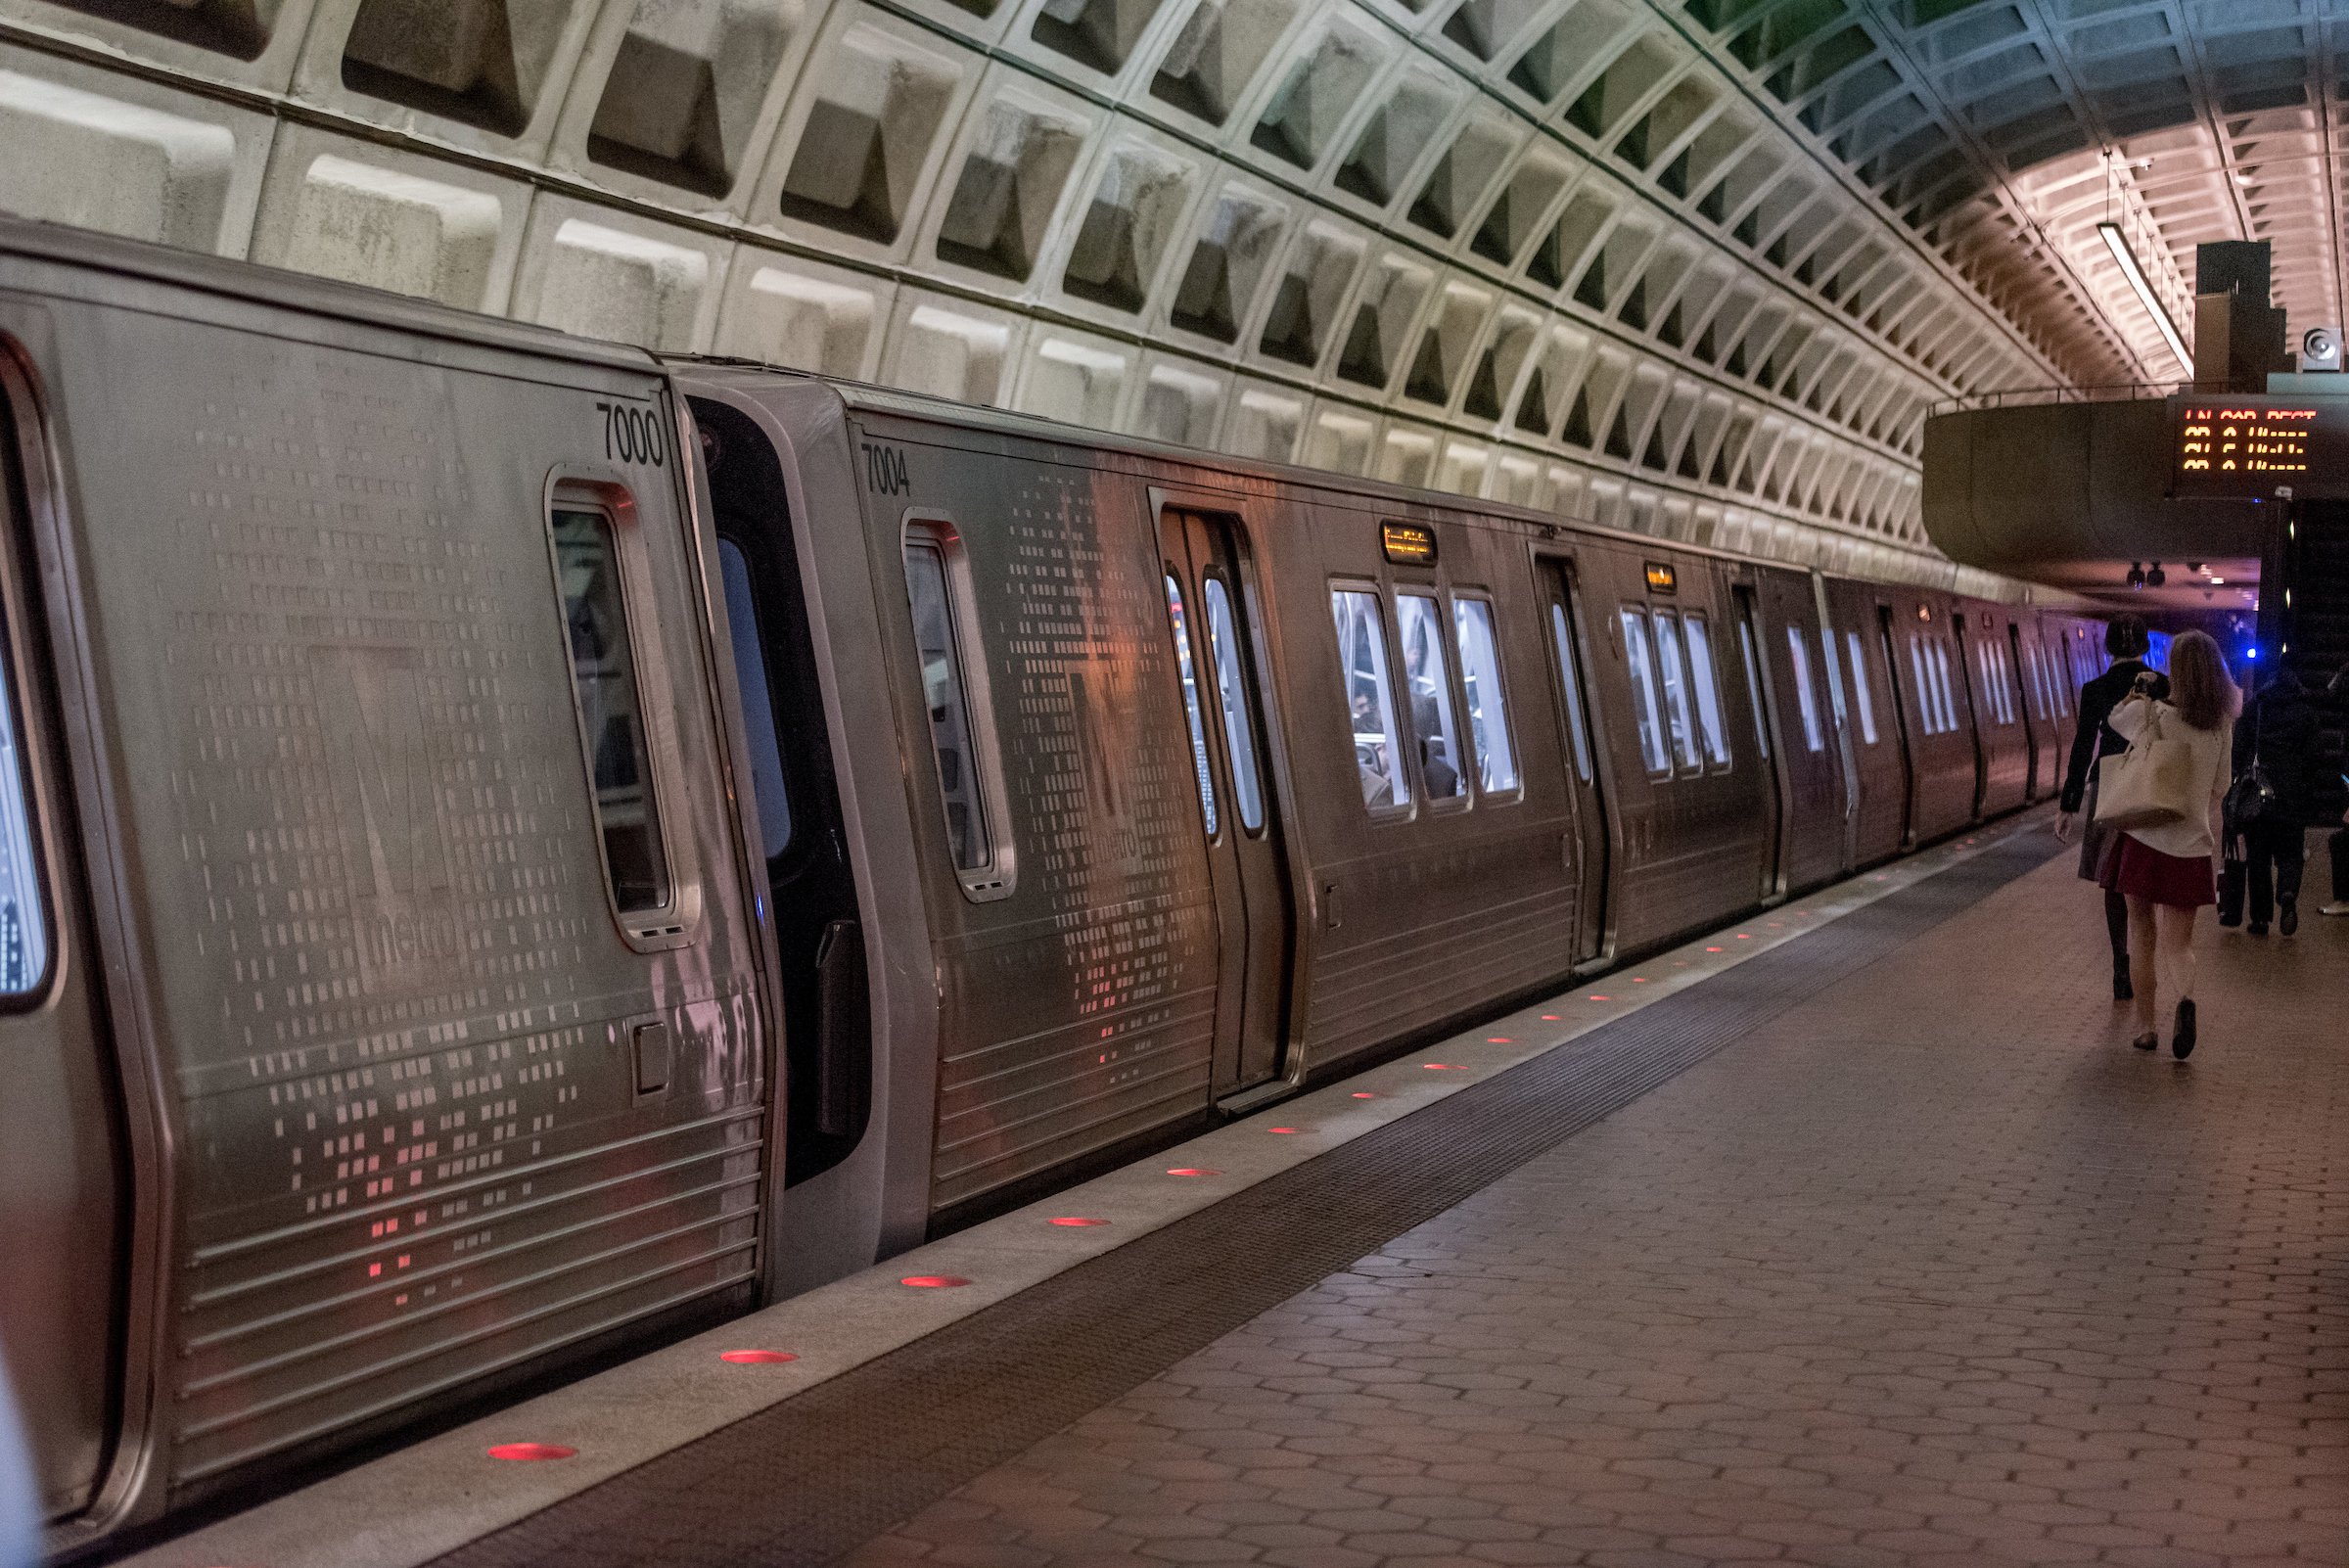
x=757, y=704
x=936, y=637
x=1561, y=636
x=1862, y=696
x=1427, y=681
x=1753, y=684
x=1369, y=700
x=611, y=708
x=1488, y=707
x=1944, y=689
x=1181, y=626
x=23, y=915
x=1806, y=696
x=1643, y=691
x=1676, y=690
x=1239, y=735
x=1928, y=708
x=1708, y=689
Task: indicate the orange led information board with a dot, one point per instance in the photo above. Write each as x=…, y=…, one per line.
x=2246, y=446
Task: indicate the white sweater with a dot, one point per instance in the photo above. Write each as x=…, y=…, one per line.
x=2213, y=752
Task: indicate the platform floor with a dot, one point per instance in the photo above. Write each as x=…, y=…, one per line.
x=1930, y=1268
x=1879, y=1250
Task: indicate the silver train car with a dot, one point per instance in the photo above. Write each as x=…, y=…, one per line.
x=511, y=848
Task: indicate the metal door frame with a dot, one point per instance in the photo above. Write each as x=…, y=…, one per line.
x=1548, y=560
x=1745, y=597
x=129, y=1487
x=1234, y=510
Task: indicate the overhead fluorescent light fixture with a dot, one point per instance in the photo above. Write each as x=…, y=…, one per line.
x=2125, y=258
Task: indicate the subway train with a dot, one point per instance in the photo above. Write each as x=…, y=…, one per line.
x=511, y=848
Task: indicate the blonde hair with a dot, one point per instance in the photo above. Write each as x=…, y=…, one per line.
x=2199, y=687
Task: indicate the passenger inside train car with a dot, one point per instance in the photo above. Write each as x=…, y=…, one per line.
x=1106, y=782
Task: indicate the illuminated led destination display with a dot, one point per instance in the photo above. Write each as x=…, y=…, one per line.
x=2246, y=446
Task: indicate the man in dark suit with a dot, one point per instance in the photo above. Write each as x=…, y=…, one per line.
x=2126, y=639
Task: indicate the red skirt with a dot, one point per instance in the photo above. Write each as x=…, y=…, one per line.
x=2135, y=871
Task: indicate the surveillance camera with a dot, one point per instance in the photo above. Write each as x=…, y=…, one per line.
x=2321, y=349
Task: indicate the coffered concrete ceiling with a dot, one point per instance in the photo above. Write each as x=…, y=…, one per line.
x=1697, y=269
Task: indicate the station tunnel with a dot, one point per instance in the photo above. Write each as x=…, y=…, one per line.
x=1289, y=789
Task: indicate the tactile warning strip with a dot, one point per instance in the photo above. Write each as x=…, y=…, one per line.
x=814, y=1477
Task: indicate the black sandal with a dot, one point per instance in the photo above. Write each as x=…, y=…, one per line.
x=2181, y=1043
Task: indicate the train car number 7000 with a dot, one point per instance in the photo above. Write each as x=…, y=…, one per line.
x=632, y=434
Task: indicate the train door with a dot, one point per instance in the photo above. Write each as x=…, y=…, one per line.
x=1207, y=601
x=1902, y=730
x=63, y=1174
x=810, y=887
x=1563, y=610
x=1763, y=698
x=2035, y=714
x=1971, y=678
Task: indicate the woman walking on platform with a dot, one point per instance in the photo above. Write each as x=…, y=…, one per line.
x=2164, y=871
x=2126, y=641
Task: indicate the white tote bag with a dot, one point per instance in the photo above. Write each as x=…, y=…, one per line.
x=2152, y=783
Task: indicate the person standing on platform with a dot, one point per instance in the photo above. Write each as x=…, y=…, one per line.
x=2164, y=871
x=2125, y=640
x=2277, y=737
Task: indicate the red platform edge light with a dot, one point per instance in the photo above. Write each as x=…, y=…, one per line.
x=1285, y=1129
x=933, y=1281
x=1074, y=1220
x=1193, y=1169
x=525, y=1452
x=1499, y=1039
x=1364, y=1094
x=1597, y=998
x=1550, y=1018
x=757, y=1357
x=1445, y=1067
x=1712, y=950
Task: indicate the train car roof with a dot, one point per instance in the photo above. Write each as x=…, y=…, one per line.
x=863, y=395
x=302, y=291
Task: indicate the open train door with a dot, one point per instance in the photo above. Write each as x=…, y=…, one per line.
x=1209, y=601
x=64, y=1170
x=1564, y=614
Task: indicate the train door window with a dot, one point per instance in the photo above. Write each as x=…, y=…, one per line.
x=758, y=703
x=1862, y=696
x=936, y=637
x=1487, y=706
x=1181, y=628
x=1676, y=690
x=1829, y=664
x=1561, y=636
x=1753, y=682
x=1239, y=735
x=1370, y=699
x=1641, y=665
x=24, y=913
x=1427, y=679
x=1707, y=681
x=1806, y=696
x=1945, y=691
x=611, y=708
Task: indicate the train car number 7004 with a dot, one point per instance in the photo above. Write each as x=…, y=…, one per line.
x=632, y=434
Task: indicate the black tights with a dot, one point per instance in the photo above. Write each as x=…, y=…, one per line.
x=2116, y=926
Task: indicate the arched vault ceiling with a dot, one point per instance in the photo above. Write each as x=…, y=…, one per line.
x=1986, y=124
x=1698, y=266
